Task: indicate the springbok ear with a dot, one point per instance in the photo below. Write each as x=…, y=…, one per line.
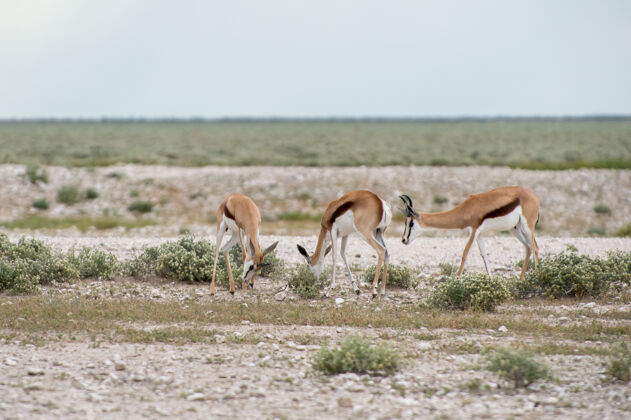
x=270, y=248
x=252, y=251
x=327, y=250
x=304, y=253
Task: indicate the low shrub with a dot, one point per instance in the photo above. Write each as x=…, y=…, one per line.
x=398, y=276
x=447, y=269
x=518, y=366
x=440, y=199
x=40, y=204
x=305, y=283
x=357, y=355
x=602, y=209
x=596, y=231
x=68, y=194
x=34, y=173
x=299, y=216
x=569, y=274
x=91, y=194
x=619, y=365
x=141, y=206
x=93, y=262
x=624, y=231
x=28, y=263
x=470, y=291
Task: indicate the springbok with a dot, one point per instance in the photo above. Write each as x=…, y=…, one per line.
x=358, y=211
x=238, y=214
x=505, y=208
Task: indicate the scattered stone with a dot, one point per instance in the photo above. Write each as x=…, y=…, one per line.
x=10, y=362
x=345, y=402
x=35, y=372
x=34, y=387
x=502, y=328
x=245, y=322
x=197, y=396
x=589, y=305
x=220, y=338
x=339, y=301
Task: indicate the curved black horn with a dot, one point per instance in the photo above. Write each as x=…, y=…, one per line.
x=407, y=200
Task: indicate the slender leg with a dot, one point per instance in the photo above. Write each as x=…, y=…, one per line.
x=536, y=248
x=348, y=269
x=386, y=260
x=220, y=232
x=225, y=249
x=466, y=251
x=381, y=253
x=333, y=254
x=524, y=235
x=483, y=254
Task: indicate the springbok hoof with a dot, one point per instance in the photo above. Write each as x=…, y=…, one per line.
x=357, y=292
x=251, y=286
x=232, y=292
x=374, y=295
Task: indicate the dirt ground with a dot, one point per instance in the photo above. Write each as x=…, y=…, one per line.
x=264, y=371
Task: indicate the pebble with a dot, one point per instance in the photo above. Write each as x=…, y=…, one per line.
x=220, y=338
x=245, y=322
x=10, y=362
x=197, y=396
x=339, y=301
x=35, y=372
x=502, y=328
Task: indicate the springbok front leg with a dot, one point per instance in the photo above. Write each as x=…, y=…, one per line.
x=381, y=256
x=348, y=269
x=386, y=259
x=466, y=251
x=333, y=254
x=220, y=232
x=226, y=254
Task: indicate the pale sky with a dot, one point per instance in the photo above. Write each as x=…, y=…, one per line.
x=272, y=58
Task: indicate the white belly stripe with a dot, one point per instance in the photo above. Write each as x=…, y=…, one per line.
x=506, y=222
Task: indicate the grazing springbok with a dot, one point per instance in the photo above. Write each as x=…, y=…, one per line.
x=238, y=214
x=358, y=211
x=505, y=208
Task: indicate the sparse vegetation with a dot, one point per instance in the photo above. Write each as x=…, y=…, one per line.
x=619, y=364
x=141, y=206
x=577, y=143
x=624, y=231
x=93, y=262
x=518, y=366
x=305, y=283
x=447, y=269
x=602, y=209
x=300, y=216
x=81, y=223
x=68, y=194
x=596, y=231
x=40, y=204
x=34, y=173
x=398, y=276
x=358, y=355
x=470, y=291
x=571, y=274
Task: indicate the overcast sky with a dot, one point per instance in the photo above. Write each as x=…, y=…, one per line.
x=314, y=58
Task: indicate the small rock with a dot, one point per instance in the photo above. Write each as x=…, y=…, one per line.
x=589, y=305
x=563, y=319
x=345, y=402
x=197, y=396
x=220, y=338
x=10, y=362
x=423, y=345
x=339, y=301
x=120, y=365
x=502, y=328
x=34, y=387
x=35, y=372
x=280, y=296
x=245, y=322
x=156, y=294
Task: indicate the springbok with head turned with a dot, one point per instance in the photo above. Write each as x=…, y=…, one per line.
x=358, y=211
x=238, y=214
x=505, y=208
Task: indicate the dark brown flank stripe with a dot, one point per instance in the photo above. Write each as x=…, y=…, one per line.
x=340, y=211
x=227, y=213
x=502, y=211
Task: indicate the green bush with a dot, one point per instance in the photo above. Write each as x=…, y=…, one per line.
x=517, y=366
x=602, y=209
x=141, y=206
x=41, y=204
x=91, y=194
x=596, y=231
x=305, y=283
x=398, y=276
x=188, y=259
x=29, y=262
x=470, y=291
x=93, y=262
x=68, y=194
x=624, y=231
x=35, y=173
x=439, y=199
x=619, y=366
x=447, y=269
x=570, y=274
x=357, y=355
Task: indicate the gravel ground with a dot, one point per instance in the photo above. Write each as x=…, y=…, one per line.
x=188, y=196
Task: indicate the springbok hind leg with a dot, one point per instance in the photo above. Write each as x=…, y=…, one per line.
x=220, y=232
x=386, y=260
x=466, y=251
